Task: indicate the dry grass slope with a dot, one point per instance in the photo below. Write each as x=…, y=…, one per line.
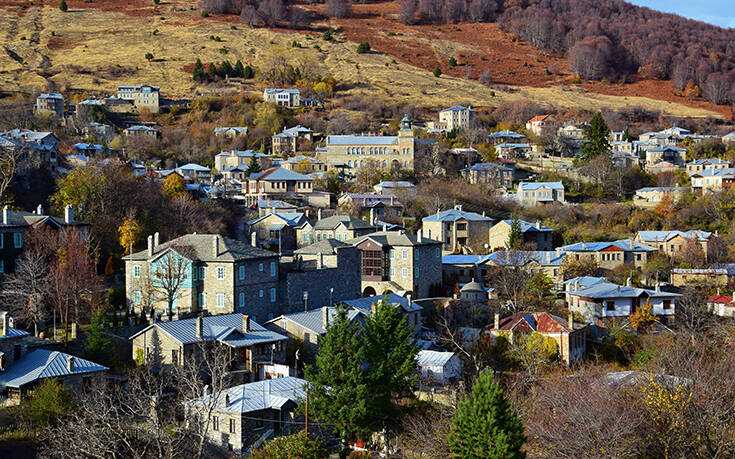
x=75, y=49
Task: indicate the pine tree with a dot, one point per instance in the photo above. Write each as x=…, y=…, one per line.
x=485, y=425
x=389, y=355
x=338, y=391
x=515, y=237
x=253, y=167
x=198, y=73
x=97, y=347
x=248, y=72
x=596, y=141
x=239, y=69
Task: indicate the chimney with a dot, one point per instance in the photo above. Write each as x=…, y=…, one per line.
x=150, y=246
x=576, y=286
x=215, y=246
x=658, y=286
x=319, y=261
x=483, y=213
x=5, y=323
x=408, y=299
x=156, y=240
x=584, y=245
x=70, y=363
x=497, y=321
x=245, y=323
x=254, y=239
x=385, y=227
x=718, y=291
x=631, y=243
x=319, y=214
x=629, y=282
x=391, y=199
x=199, y=327
x=418, y=236
x=538, y=224
x=227, y=399
x=325, y=316
x=438, y=214
x=68, y=214
x=5, y=215
x=39, y=210
x=372, y=216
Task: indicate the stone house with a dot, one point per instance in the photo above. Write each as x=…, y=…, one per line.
x=142, y=96
x=14, y=224
x=285, y=97
x=535, y=234
x=458, y=229
x=497, y=175
x=398, y=262
x=309, y=162
x=540, y=193
x=278, y=230
x=505, y=137
x=36, y=149
x=570, y=337
x=393, y=187
x=699, y=165
x=215, y=274
x=712, y=180
x=372, y=205
x=231, y=132
x=671, y=243
x=668, y=153
x=610, y=255
x=249, y=414
x=456, y=118
x=141, y=131
x=650, y=197
x=384, y=151
x=539, y=125
x=277, y=182
x=233, y=158
x=721, y=305
x=51, y=102
x=700, y=278
x=340, y=227
x=195, y=173
x=249, y=344
x=512, y=150
x=288, y=140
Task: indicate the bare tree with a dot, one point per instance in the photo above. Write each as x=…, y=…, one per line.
x=25, y=292
x=717, y=87
x=511, y=278
x=455, y=332
x=692, y=314
x=9, y=163
x=338, y=8
x=202, y=378
x=169, y=273
x=407, y=11
x=425, y=435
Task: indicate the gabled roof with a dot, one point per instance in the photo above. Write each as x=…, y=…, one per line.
x=260, y=395
x=503, y=134
x=200, y=247
x=289, y=219
x=193, y=167
x=395, y=184
x=667, y=148
x=279, y=173
x=365, y=304
x=722, y=299
x=522, y=257
x=487, y=167
x=538, y=118
x=312, y=320
x=513, y=146
x=280, y=90
x=12, y=332
x=726, y=172
x=602, y=290
x=661, y=188
x=22, y=218
x=536, y=322
x=663, y=236
x=43, y=363
x=456, y=108
x=622, y=244
x=141, y=128
x=53, y=95
x=393, y=239
x=697, y=162
x=531, y=186
x=238, y=129
x=225, y=328
x=362, y=140
x=453, y=215
x=526, y=227
x=243, y=153
x=433, y=358
x=585, y=281
x=349, y=222
x=325, y=246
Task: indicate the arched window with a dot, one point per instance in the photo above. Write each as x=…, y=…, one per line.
x=385, y=163
x=362, y=163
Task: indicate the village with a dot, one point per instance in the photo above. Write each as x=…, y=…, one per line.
x=537, y=249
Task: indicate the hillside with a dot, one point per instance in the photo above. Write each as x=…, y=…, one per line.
x=95, y=46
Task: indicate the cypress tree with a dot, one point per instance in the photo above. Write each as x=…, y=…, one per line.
x=248, y=72
x=62, y=6
x=239, y=69
x=225, y=69
x=198, y=73
x=253, y=167
x=515, y=237
x=596, y=141
x=485, y=425
x=97, y=346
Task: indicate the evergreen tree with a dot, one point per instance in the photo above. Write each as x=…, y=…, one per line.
x=485, y=425
x=198, y=73
x=225, y=69
x=239, y=69
x=97, y=347
x=211, y=71
x=597, y=139
x=253, y=167
x=62, y=6
x=515, y=237
x=338, y=391
x=389, y=355
x=248, y=72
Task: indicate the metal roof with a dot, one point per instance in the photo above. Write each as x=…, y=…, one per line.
x=487, y=167
x=14, y=333
x=501, y=134
x=288, y=218
x=362, y=140
x=433, y=358
x=526, y=226
x=193, y=167
x=365, y=304
x=346, y=220
x=279, y=173
x=257, y=396
x=663, y=236
x=279, y=90
x=603, y=290
x=453, y=215
x=312, y=320
x=43, y=363
x=622, y=244
x=393, y=238
x=536, y=185
x=456, y=108
x=325, y=246
x=200, y=247
x=226, y=328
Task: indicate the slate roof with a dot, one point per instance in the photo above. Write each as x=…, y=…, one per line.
x=456, y=108
x=526, y=226
x=193, y=167
x=607, y=289
x=298, y=158
x=335, y=220
x=365, y=304
x=513, y=145
x=542, y=257
x=453, y=215
x=666, y=148
x=502, y=134
x=663, y=236
x=275, y=204
x=243, y=153
x=43, y=363
x=325, y=246
x=395, y=184
x=312, y=320
x=260, y=395
x=729, y=171
x=362, y=140
x=238, y=129
x=394, y=238
x=538, y=322
x=622, y=244
x=585, y=281
x=279, y=90
x=200, y=248
x=225, y=328
x=487, y=167
x=279, y=173
x=53, y=95
x=141, y=128
x=433, y=358
x=289, y=219
x=707, y=161
x=531, y=186
x=23, y=218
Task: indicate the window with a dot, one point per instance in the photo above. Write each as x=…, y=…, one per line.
x=220, y=272
x=202, y=300
x=416, y=272
x=260, y=293
x=136, y=271
x=2, y=266
x=220, y=300
x=273, y=295
x=260, y=267
x=416, y=254
x=215, y=423
x=667, y=304
x=2, y=241
x=17, y=240
x=405, y=254
x=610, y=306
x=372, y=263
x=438, y=252
x=241, y=272
x=273, y=268
x=203, y=272
x=242, y=299
x=232, y=426
x=136, y=297
x=174, y=356
x=404, y=272
x=392, y=272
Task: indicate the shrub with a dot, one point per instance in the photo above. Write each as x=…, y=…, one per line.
x=62, y=6
x=328, y=34
x=437, y=72
x=149, y=56
x=452, y=62
x=363, y=47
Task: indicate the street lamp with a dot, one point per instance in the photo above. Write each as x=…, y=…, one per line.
x=306, y=299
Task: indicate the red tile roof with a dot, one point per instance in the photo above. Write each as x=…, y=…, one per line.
x=538, y=118
x=720, y=299
x=539, y=322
